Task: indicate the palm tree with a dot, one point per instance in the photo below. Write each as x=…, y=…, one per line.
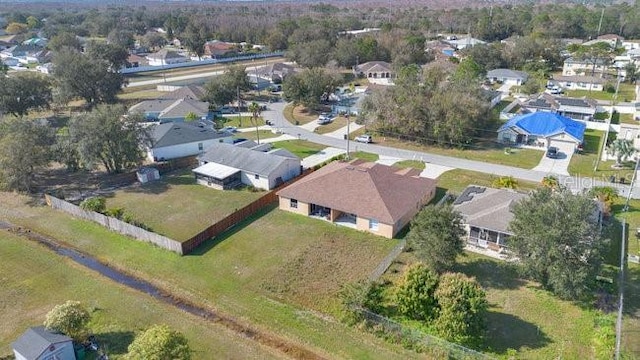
x=255, y=110
x=621, y=149
x=508, y=182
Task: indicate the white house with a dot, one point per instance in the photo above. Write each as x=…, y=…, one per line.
x=580, y=82
x=507, y=76
x=165, y=57
x=37, y=343
x=574, y=66
x=225, y=166
x=176, y=140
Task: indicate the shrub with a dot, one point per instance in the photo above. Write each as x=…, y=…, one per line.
x=96, y=203
x=115, y=212
x=415, y=294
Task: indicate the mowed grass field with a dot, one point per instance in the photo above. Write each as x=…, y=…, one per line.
x=524, y=321
x=34, y=280
x=281, y=272
x=178, y=207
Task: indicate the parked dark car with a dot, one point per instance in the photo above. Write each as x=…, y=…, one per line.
x=552, y=152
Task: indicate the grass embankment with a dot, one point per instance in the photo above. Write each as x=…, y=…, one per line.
x=251, y=135
x=35, y=279
x=278, y=271
x=626, y=92
x=177, y=207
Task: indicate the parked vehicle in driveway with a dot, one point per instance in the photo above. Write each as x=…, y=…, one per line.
x=552, y=152
x=324, y=119
x=364, y=138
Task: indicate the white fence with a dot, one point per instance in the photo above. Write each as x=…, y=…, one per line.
x=139, y=69
x=115, y=225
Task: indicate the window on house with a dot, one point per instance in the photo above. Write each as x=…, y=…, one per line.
x=293, y=203
x=257, y=177
x=373, y=224
x=200, y=147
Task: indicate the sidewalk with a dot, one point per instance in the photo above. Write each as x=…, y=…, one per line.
x=320, y=157
x=339, y=134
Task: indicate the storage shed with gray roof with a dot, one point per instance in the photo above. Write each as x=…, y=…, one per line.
x=38, y=343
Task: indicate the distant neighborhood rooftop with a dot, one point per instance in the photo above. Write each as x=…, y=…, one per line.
x=169, y=134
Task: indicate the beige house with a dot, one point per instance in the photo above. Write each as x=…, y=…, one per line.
x=376, y=72
x=366, y=196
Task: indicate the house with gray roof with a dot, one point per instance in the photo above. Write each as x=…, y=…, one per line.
x=574, y=108
x=165, y=57
x=486, y=213
x=275, y=72
x=190, y=92
x=38, y=343
x=376, y=72
x=580, y=82
x=507, y=76
x=172, y=110
x=176, y=140
x=225, y=166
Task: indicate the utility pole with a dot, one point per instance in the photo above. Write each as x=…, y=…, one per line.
x=238, y=100
x=606, y=134
x=600, y=23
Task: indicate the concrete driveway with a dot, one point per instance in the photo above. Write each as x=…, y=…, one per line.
x=560, y=165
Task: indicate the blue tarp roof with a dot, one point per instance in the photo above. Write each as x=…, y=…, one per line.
x=546, y=124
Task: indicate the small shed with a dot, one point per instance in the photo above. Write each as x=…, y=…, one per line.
x=147, y=174
x=38, y=343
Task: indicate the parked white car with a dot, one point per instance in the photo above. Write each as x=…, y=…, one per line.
x=364, y=138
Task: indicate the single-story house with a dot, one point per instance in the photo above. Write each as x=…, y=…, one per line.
x=575, y=66
x=275, y=72
x=461, y=43
x=38, y=343
x=190, y=92
x=378, y=72
x=172, y=110
x=134, y=61
x=20, y=51
x=226, y=166
x=165, y=57
x=507, y=76
x=370, y=197
x=486, y=214
x=176, y=140
x=580, y=82
x=542, y=128
x=574, y=108
x=612, y=39
x=215, y=48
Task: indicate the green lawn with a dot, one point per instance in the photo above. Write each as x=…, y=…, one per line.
x=300, y=115
x=456, y=180
x=239, y=121
x=300, y=148
x=141, y=94
x=364, y=156
x=626, y=92
x=264, y=134
x=489, y=151
x=524, y=321
x=278, y=271
x=177, y=207
x=583, y=164
x=338, y=123
x=35, y=279
x=410, y=164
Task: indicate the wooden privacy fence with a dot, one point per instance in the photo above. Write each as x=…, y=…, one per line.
x=237, y=216
x=115, y=224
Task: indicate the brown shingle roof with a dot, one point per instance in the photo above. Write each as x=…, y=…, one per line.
x=369, y=190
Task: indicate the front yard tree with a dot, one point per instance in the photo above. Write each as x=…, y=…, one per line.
x=309, y=87
x=159, y=342
x=255, y=110
x=194, y=38
x=415, y=293
x=24, y=149
x=557, y=240
x=78, y=75
x=224, y=88
x=70, y=318
x=463, y=309
x=436, y=236
x=24, y=91
x=621, y=149
x=107, y=137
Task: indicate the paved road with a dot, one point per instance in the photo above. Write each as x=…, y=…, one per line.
x=275, y=114
x=174, y=78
